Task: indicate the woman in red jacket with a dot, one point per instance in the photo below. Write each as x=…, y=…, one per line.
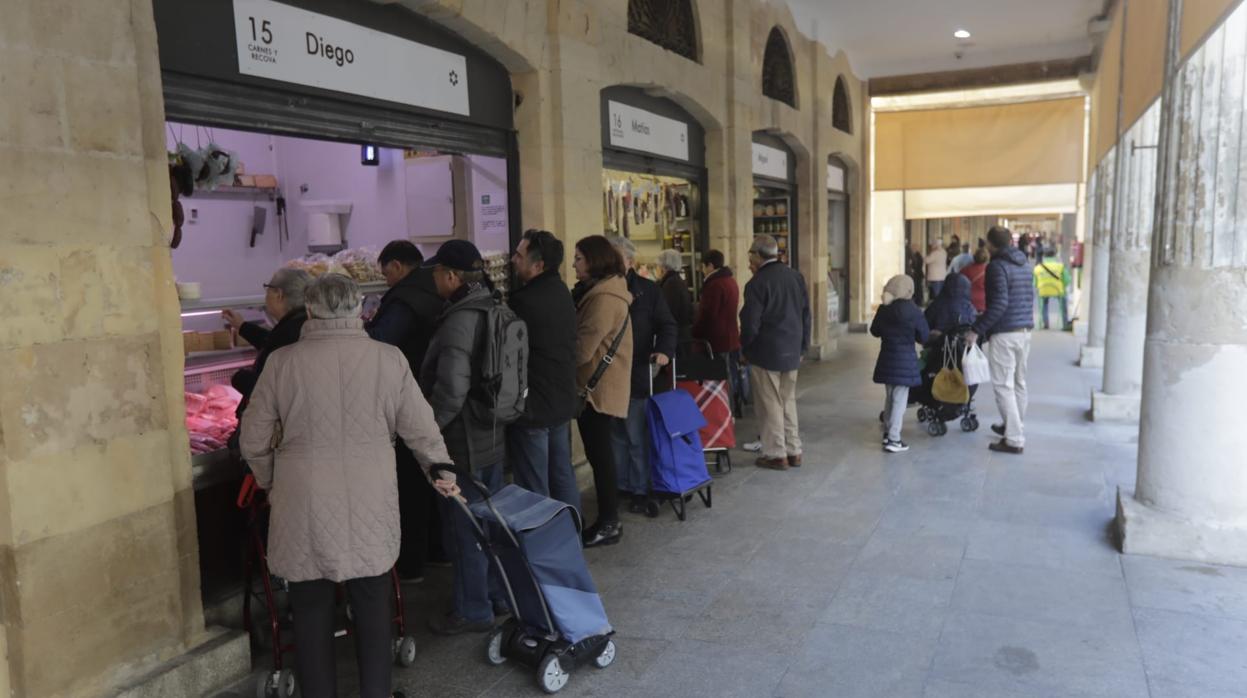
x=977, y=274
x=717, y=315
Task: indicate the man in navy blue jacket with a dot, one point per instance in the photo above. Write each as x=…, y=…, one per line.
x=774, y=334
x=1006, y=326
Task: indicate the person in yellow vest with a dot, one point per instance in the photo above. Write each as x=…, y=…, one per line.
x=1052, y=282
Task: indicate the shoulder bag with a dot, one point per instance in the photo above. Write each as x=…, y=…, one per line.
x=608, y=358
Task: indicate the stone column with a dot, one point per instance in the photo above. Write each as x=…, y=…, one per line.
x=1191, y=495
x=1092, y=353
x=1128, y=275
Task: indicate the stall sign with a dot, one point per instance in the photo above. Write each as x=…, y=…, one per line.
x=638, y=129
x=770, y=162
x=280, y=42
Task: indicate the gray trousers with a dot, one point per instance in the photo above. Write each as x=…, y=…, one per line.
x=894, y=409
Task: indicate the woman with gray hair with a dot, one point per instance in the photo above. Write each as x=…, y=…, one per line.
x=676, y=292
x=319, y=436
x=283, y=302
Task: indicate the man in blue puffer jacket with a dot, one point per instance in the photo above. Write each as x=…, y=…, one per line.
x=1006, y=326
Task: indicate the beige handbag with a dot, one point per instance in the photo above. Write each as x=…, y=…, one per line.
x=950, y=385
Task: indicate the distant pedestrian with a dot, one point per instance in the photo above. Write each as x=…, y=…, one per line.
x=915, y=267
x=774, y=335
x=899, y=324
x=977, y=274
x=1006, y=326
x=936, y=268
x=1052, y=282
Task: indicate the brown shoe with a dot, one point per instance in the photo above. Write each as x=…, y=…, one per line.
x=794, y=461
x=1003, y=446
x=772, y=463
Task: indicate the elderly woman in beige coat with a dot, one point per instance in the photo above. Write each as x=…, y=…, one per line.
x=319, y=435
x=602, y=301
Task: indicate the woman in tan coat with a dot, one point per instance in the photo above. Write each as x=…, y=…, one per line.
x=319, y=435
x=602, y=301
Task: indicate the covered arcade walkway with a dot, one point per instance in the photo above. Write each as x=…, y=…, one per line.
x=945, y=572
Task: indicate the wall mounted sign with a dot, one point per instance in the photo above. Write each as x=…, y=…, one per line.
x=770, y=162
x=280, y=42
x=637, y=129
x=835, y=177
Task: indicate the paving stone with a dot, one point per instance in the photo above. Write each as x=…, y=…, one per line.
x=847, y=662
x=696, y=668
x=906, y=605
x=1005, y=654
x=1043, y=546
x=1189, y=587
x=1069, y=597
x=922, y=555
x=1192, y=650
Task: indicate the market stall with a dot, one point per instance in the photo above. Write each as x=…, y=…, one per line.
x=653, y=178
x=775, y=194
x=311, y=136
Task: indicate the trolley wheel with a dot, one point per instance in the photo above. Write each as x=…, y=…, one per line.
x=350, y=614
x=943, y=428
x=550, y=674
x=881, y=419
x=922, y=414
x=276, y=684
x=974, y=421
x=405, y=651
x=651, y=509
x=933, y=428
x=493, y=649
x=968, y=424
x=606, y=657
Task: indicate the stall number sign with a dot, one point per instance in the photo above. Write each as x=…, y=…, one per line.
x=770, y=162
x=637, y=129
x=284, y=43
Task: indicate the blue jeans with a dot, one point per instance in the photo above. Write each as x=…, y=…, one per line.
x=541, y=462
x=473, y=585
x=630, y=440
x=1043, y=310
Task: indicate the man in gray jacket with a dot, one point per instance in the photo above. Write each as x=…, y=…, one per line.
x=774, y=334
x=450, y=372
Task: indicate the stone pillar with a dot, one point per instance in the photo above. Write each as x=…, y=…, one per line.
x=1092, y=354
x=1191, y=495
x=1128, y=276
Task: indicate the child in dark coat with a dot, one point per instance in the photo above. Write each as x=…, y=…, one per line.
x=900, y=324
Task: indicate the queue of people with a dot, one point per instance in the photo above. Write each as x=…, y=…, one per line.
x=365, y=429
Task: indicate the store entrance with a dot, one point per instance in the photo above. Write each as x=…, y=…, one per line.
x=837, y=241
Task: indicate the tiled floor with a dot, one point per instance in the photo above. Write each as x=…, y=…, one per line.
x=945, y=572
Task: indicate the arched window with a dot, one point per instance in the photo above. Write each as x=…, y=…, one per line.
x=841, y=114
x=669, y=23
x=778, y=79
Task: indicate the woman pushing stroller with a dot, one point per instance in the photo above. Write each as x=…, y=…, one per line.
x=949, y=316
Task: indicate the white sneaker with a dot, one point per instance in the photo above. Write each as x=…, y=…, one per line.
x=895, y=447
x=753, y=446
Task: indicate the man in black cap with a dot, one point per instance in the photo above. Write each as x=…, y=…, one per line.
x=406, y=318
x=451, y=369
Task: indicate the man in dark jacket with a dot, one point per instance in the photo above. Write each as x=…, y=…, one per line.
x=539, y=443
x=283, y=302
x=1006, y=326
x=774, y=334
x=675, y=292
x=450, y=372
x=406, y=319
x=654, y=337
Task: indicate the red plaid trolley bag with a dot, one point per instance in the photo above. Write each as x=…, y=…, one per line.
x=704, y=375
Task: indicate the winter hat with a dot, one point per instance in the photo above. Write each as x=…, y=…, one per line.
x=898, y=287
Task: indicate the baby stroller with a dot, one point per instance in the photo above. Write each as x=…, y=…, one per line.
x=932, y=412
x=557, y=617
x=280, y=681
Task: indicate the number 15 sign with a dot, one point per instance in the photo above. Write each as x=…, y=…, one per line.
x=280, y=42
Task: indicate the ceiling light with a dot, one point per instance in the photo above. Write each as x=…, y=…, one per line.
x=961, y=34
